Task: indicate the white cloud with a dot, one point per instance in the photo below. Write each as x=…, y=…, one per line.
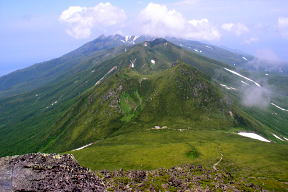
x=202, y=29
x=236, y=28
x=251, y=40
x=185, y=2
x=283, y=26
x=158, y=20
x=82, y=20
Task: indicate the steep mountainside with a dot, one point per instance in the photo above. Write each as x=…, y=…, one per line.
x=129, y=101
x=39, y=109
x=81, y=59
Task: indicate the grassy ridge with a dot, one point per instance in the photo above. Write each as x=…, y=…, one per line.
x=151, y=149
x=179, y=94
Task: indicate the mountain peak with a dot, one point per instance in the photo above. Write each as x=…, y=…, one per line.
x=158, y=41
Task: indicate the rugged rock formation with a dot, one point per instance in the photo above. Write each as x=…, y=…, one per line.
x=46, y=172
x=52, y=172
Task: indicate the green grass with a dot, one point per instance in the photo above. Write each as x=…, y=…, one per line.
x=262, y=163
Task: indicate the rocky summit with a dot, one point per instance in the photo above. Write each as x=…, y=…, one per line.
x=53, y=172
x=46, y=172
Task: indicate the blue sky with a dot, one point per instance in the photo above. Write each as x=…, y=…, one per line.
x=33, y=31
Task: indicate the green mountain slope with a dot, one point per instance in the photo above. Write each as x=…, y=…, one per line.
x=66, y=66
x=153, y=91
x=176, y=95
x=26, y=119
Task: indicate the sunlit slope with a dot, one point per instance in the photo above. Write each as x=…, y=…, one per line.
x=130, y=101
x=27, y=119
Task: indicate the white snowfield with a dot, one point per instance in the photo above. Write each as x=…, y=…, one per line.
x=135, y=38
x=227, y=87
x=285, y=138
x=279, y=107
x=100, y=80
x=153, y=61
x=130, y=39
x=277, y=137
x=253, y=136
x=238, y=74
x=83, y=147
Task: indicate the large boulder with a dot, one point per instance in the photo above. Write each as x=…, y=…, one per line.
x=46, y=172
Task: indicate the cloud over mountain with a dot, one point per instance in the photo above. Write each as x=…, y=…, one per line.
x=283, y=26
x=159, y=20
x=154, y=19
x=82, y=20
x=236, y=28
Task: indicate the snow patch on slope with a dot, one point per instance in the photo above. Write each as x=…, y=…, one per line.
x=244, y=82
x=111, y=70
x=153, y=61
x=245, y=58
x=227, y=87
x=279, y=107
x=238, y=74
x=277, y=137
x=132, y=63
x=83, y=147
x=253, y=136
x=198, y=51
x=130, y=39
x=54, y=103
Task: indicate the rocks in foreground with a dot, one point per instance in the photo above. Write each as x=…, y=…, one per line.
x=46, y=172
x=52, y=172
x=185, y=178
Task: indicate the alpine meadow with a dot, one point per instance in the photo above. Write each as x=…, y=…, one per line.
x=151, y=100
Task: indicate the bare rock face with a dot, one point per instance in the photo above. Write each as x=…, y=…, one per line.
x=46, y=172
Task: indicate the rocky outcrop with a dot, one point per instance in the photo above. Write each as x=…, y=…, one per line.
x=46, y=172
x=52, y=172
x=186, y=178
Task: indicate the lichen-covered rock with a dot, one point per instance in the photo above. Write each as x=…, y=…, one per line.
x=46, y=172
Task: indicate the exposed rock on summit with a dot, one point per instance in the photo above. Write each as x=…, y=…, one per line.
x=46, y=172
